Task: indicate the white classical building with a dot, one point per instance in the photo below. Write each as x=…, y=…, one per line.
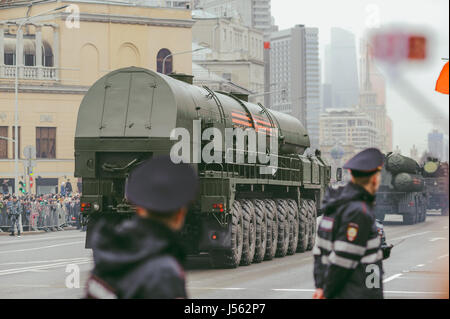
x=235, y=51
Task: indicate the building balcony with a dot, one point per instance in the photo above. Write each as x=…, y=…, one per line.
x=28, y=72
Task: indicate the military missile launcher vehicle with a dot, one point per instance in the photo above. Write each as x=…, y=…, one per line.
x=436, y=185
x=402, y=190
x=242, y=215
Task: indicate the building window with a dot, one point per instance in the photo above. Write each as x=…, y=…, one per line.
x=163, y=53
x=3, y=142
x=18, y=144
x=10, y=59
x=29, y=60
x=46, y=142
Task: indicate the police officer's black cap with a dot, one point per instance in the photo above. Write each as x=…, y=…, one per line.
x=366, y=163
x=161, y=186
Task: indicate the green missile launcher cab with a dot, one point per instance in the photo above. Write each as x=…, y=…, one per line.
x=241, y=215
x=402, y=190
x=436, y=185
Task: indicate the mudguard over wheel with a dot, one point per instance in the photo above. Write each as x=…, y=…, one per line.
x=249, y=243
x=303, y=227
x=231, y=258
x=283, y=227
x=272, y=229
x=293, y=226
x=313, y=224
x=261, y=230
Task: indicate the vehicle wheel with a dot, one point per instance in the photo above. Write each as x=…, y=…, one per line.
x=272, y=229
x=231, y=258
x=261, y=230
x=283, y=227
x=249, y=243
x=381, y=216
x=313, y=225
x=303, y=227
x=409, y=219
x=293, y=226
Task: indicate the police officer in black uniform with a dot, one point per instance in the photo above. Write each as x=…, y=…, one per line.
x=142, y=258
x=348, y=254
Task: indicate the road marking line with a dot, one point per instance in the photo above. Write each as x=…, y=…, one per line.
x=436, y=239
x=42, y=261
x=208, y=288
x=295, y=290
x=392, y=278
x=416, y=292
x=412, y=235
x=26, y=269
x=421, y=265
x=443, y=256
x=38, y=239
x=43, y=247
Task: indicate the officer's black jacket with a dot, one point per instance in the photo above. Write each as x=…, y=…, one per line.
x=138, y=259
x=347, y=255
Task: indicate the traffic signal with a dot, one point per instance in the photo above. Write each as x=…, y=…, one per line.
x=22, y=187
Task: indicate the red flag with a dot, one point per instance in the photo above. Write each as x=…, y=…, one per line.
x=442, y=82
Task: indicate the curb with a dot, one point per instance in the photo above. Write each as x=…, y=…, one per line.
x=27, y=233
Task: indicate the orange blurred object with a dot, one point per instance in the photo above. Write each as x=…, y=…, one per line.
x=417, y=48
x=443, y=81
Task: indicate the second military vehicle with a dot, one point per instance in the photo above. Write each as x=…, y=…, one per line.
x=241, y=215
x=402, y=190
x=436, y=185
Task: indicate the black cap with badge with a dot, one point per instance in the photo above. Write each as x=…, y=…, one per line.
x=366, y=163
x=161, y=186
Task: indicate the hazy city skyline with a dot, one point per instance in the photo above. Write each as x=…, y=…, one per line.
x=430, y=16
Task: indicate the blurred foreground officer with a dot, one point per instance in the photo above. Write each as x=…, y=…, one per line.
x=141, y=258
x=347, y=255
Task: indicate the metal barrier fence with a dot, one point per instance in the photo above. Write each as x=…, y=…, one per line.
x=40, y=216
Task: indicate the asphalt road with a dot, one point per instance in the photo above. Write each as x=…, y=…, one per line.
x=42, y=266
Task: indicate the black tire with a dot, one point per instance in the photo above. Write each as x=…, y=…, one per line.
x=261, y=230
x=272, y=229
x=249, y=243
x=293, y=226
x=312, y=225
x=303, y=227
x=283, y=227
x=231, y=258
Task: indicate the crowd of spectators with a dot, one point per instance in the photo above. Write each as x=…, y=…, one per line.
x=48, y=212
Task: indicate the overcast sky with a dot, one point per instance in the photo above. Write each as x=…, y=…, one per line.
x=355, y=15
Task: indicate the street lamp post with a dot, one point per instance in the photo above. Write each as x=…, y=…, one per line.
x=179, y=53
x=16, y=92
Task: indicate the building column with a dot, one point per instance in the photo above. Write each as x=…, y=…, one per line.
x=19, y=51
x=56, y=50
x=2, y=50
x=38, y=55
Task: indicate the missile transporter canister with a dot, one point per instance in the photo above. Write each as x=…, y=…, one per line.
x=436, y=185
x=402, y=190
x=241, y=215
